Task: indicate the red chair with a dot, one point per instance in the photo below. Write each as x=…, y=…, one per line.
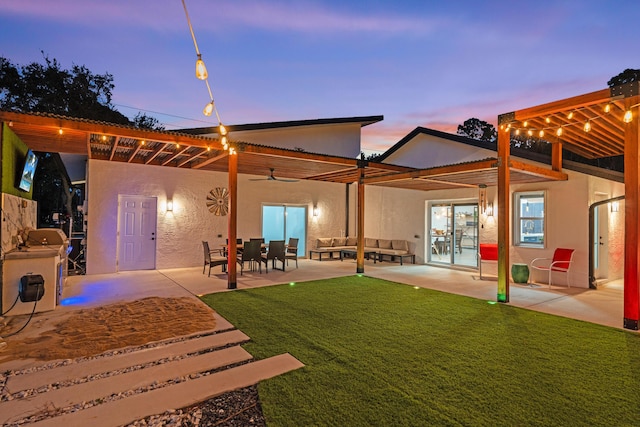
x=488, y=252
x=560, y=263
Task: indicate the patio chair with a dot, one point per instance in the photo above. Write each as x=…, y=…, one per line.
x=213, y=258
x=560, y=263
x=250, y=253
x=276, y=252
x=292, y=251
x=487, y=252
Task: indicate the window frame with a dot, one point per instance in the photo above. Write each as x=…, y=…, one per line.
x=517, y=218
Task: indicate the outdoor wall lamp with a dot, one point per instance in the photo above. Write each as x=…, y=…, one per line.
x=489, y=210
x=615, y=206
x=169, y=205
x=315, y=211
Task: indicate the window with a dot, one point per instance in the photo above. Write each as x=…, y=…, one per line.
x=529, y=227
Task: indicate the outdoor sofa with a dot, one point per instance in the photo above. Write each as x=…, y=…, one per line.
x=380, y=247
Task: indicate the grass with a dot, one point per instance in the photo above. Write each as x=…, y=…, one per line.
x=383, y=353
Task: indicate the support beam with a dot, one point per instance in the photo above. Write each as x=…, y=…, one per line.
x=504, y=142
x=631, y=222
x=233, y=222
x=556, y=156
x=360, y=251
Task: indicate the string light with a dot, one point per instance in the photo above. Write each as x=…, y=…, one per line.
x=570, y=115
x=541, y=133
x=628, y=116
x=587, y=126
x=559, y=131
x=202, y=74
x=607, y=108
x=60, y=132
x=142, y=142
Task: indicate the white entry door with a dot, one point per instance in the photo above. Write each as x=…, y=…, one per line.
x=136, y=232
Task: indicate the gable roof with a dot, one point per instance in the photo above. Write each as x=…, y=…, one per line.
x=427, y=131
x=515, y=152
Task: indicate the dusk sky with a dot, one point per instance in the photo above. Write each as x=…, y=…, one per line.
x=417, y=63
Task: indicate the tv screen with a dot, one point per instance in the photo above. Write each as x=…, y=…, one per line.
x=28, y=170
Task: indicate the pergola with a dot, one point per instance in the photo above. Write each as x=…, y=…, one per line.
x=598, y=124
x=117, y=143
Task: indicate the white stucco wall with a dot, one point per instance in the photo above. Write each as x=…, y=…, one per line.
x=180, y=234
x=342, y=139
x=425, y=151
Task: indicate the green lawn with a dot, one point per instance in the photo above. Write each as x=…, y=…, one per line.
x=387, y=354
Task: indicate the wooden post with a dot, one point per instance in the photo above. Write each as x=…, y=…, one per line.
x=631, y=221
x=232, y=221
x=556, y=156
x=360, y=247
x=504, y=143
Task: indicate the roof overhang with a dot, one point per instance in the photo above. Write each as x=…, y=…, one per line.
x=603, y=110
x=111, y=142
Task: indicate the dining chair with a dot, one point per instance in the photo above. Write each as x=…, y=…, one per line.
x=292, y=250
x=276, y=252
x=250, y=253
x=213, y=258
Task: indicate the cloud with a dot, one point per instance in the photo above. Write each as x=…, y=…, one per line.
x=298, y=16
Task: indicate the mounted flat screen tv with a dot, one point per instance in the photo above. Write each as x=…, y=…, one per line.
x=28, y=170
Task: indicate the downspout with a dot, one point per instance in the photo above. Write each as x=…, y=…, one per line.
x=592, y=238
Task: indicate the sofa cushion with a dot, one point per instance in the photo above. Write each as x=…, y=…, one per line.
x=400, y=245
x=324, y=242
x=384, y=244
x=370, y=243
x=339, y=241
x=352, y=241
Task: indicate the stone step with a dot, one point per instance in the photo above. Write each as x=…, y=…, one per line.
x=34, y=380
x=175, y=396
x=15, y=410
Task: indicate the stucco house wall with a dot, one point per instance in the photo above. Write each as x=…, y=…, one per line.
x=342, y=139
x=397, y=212
x=180, y=233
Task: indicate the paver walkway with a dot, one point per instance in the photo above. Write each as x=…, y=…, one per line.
x=119, y=389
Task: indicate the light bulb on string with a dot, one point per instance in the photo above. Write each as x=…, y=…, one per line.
x=628, y=116
x=208, y=109
x=587, y=126
x=607, y=108
x=541, y=133
x=559, y=131
x=222, y=130
x=570, y=115
x=517, y=131
x=201, y=69
x=530, y=132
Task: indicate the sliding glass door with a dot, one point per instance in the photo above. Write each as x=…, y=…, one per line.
x=281, y=222
x=454, y=231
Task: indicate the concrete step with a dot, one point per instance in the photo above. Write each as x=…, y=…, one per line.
x=83, y=369
x=135, y=407
x=15, y=410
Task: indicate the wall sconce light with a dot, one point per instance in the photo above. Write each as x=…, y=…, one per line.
x=489, y=210
x=169, y=205
x=315, y=211
x=615, y=206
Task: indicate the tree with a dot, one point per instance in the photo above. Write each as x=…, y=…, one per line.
x=142, y=121
x=47, y=88
x=478, y=129
x=627, y=76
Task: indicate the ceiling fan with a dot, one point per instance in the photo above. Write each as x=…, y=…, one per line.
x=271, y=177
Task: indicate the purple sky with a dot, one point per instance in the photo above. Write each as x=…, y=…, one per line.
x=418, y=63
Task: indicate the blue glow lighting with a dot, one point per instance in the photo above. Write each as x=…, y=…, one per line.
x=77, y=300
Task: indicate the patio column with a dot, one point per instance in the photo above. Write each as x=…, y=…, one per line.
x=232, y=221
x=556, y=156
x=631, y=220
x=360, y=247
x=504, y=142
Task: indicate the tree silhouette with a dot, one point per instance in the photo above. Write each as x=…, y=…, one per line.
x=478, y=129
